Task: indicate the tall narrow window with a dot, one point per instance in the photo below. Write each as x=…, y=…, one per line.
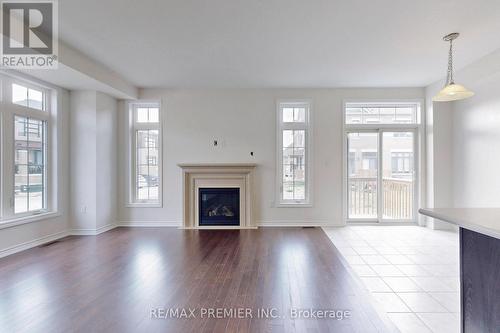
x=293, y=141
x=29, y=165
x=28, y=170
x=146, y=153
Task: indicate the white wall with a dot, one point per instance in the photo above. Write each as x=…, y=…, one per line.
x=245, y=120
x=439, y=166
x=93, y=161
x=16, y=238
x=106, y=158
x=83, y=160
x=476, y=136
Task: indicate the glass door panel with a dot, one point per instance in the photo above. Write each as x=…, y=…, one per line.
x=362, y=175
x=398, y=175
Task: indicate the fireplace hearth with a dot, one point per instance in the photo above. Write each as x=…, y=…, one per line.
x=219, y=206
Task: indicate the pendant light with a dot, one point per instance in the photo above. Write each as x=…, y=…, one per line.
x=452, y=91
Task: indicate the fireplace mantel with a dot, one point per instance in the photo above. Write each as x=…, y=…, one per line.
x=196, y=175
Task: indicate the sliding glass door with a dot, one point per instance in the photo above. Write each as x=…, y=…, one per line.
x=381, y=175
x=398, y=175
x=362, y=175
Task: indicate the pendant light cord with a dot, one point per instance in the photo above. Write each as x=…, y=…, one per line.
x=449, y=76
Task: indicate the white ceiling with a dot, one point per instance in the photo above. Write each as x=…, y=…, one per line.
x=279, y=43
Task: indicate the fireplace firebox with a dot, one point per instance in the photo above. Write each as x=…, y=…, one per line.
x=219, y=206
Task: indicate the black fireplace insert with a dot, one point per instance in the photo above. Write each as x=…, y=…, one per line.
x=219, y=206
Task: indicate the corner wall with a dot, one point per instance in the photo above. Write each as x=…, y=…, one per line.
x=93, y=162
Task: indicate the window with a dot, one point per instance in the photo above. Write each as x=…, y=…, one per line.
x=27, y=180
x=29, y=165
x=401, y=162
x=29, y=97
x=293, y=160
x=369, y=160
x=146, y=153
x=389, y=113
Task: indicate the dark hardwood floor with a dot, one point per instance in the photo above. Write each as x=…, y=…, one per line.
x=112, y=282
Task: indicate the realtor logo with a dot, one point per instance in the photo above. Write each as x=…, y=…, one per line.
x=29, y=34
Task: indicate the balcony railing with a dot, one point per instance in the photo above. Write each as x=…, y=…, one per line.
x=397, y=203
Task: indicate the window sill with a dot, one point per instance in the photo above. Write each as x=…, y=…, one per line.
x=294, y=205
x=27, y=219
x=143, y=205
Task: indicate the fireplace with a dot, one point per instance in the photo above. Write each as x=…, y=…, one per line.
x=219, y=206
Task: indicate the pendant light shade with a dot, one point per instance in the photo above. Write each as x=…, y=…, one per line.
x=452, y=91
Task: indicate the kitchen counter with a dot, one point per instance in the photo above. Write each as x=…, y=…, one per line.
x=485, y=221
x=479, y=265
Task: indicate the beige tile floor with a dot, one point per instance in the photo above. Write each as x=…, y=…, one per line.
x=412, y=273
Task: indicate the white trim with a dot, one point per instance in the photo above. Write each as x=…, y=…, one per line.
x=300, y=223
x=28, y=219
x=308, y=163
x=33, y=243
x=92, y=232
x=150, y=224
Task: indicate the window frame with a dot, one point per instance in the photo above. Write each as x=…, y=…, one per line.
x=307, y=126
x=48, y=115
x=418, y=153
x=133, y=126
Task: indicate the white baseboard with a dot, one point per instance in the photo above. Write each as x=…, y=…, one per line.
x=92, y=232
x=33, y=243
x=176, y=224
x=288, y=223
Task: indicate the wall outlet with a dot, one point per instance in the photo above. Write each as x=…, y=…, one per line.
x=217, y=143
x=83, y=209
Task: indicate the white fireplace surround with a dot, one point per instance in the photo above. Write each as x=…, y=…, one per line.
x=213, y=175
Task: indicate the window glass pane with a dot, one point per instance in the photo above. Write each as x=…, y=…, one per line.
x=363, y=172
x=19, y=95
x=397, y=175
x=299, y=138
x=29, y=167
x=353, y=115
x=287, y=190
x=21, y=188
x=287, y=115
x=142, y=115
x=35, y=99
x=287, y=138
x=153, y=115
x=299, y=192
x=299, y=115
x=153, y=138
x=356, y=113
x=142, y=139
x=147, y=158
x=287, y=155
x=35, y=193
x=34, y=130
x=298, y=156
